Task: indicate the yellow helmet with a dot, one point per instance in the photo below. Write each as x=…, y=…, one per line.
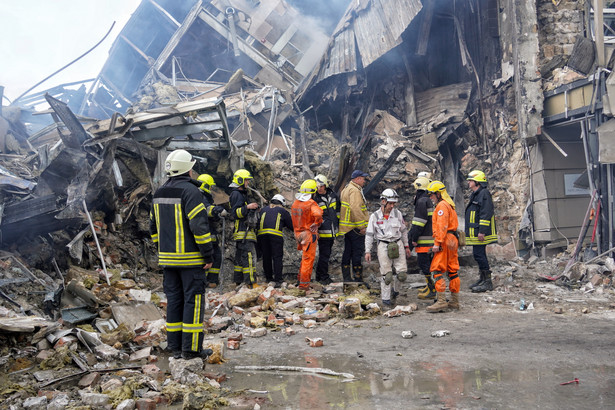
x=477, y=176
x=421, y=183
x=207, y=182
x=321, y=180
x=308, y=188
x=240, y=176
x=436, y=186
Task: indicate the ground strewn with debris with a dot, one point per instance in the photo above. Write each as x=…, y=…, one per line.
x=528, y=324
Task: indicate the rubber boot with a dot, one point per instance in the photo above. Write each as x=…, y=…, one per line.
x=454, y=302
x=429, y=291
x=346, y=273
x=441, y=304
x=357, y=273
x=480, y=280
x=486, y=286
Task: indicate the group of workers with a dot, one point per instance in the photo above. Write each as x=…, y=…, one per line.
x=184, y=225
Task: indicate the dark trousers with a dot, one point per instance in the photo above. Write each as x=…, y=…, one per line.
x=424, y=262
x=324, y=254
x=354, y=249
x=480, y=256
x=272, y=248
x=213, y=274
x=185, y=289
x=244, y=270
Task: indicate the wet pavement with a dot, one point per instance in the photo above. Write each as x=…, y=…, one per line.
x=423, y=384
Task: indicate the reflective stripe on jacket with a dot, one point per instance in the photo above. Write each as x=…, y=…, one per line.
x=480, y=218
x=354, y=213
x=330, y=204
x=272, y=219
x=421, y=231
x=240, y=213
x=179, y=225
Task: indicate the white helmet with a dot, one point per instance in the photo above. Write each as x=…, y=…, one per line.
x=279, y=198
x=424, y=174
x=321, y=180
x=390, y=195
x=178, y=162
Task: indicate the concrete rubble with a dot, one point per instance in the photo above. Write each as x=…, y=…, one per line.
x=82, y=312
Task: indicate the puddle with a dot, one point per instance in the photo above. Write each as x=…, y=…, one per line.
x=421, y=384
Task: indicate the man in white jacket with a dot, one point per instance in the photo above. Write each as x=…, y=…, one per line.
x=388, y=229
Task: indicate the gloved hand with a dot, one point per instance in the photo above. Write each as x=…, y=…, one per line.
x=223, y=213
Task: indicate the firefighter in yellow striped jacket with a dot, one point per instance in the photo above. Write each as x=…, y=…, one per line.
x=270, y=239
x=480, y=228
x=179, y=226
x=353, y=225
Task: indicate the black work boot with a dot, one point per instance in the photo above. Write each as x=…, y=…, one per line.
x=480, y=280
x=486, y=285
x=346, y=273
x=203, y=354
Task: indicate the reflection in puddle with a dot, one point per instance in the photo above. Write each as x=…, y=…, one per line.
x=423, y=384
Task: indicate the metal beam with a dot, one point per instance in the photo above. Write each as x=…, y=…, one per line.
x=175, y=130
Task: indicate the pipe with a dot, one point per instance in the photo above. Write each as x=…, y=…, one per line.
x=230, y=15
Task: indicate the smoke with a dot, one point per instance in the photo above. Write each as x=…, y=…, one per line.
x=326, y=12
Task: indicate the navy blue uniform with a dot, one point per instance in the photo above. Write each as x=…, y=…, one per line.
x=272, y=219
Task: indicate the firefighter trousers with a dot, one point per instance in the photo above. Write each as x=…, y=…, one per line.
x=306, y=242
x=185, y=289
x=272, y=248
x=446, y=261
x=244, y=270
x=213, y=274
x=324, y=254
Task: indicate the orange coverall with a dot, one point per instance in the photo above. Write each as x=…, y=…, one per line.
x=305, y=215
x=444, y=221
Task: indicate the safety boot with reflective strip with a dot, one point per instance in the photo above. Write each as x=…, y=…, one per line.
x=429, y=291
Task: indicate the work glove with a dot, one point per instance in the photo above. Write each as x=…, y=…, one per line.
x=223, y=213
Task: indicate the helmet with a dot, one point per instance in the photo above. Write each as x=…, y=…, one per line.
x=207, y=182
x=279, y=198
x=308, y=188
x=178, y=162
x=240, y=176
x=321, y=180
x=421, y=183
x=436, y=186
x=389, y=195
x=477, y=176
x=424, y=174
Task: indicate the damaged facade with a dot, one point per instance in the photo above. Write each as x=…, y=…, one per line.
x=519, y=90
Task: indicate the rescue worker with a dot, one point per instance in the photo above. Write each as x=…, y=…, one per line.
x=179, y=227
x=445, y=261
x=330, y=204
x=353, y=224
x=480, y=228
x=307, y=218
x=214, y=213
x=388, y=229
x=420, y=235
x=270, y=239
x=244, y=234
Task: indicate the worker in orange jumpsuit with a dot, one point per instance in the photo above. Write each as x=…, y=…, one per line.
x=307, y=217
x=444, y=225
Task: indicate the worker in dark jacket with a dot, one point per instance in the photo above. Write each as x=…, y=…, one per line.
x=179, y=226
x=480, y=228
x=214, y=213
x=420, y=236
x=272, y=219
x=330, y=204
x=246, y=222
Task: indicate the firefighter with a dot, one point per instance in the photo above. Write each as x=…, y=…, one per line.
x=179, y=226
x=214, y=213
x=445, y=261
x=353, y=224
x=270, y=239
x=420, y=235
x=330, y=204
x=307, y=218
x=244, y=234
x=480, y=228
x=388, y=229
